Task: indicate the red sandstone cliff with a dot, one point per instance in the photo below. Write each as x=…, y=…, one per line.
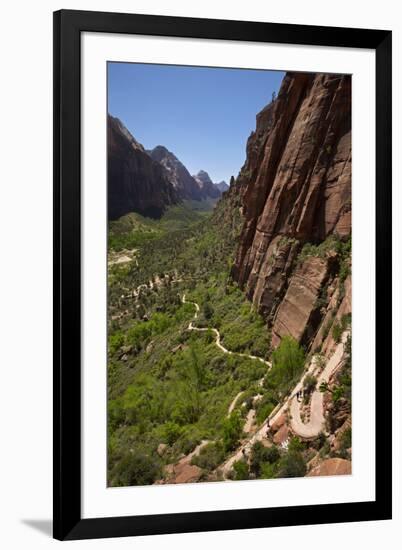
x=295, y=189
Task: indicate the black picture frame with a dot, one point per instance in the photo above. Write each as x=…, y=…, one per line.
x=68, y=26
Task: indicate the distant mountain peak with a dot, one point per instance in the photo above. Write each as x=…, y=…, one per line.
x=186, y=186
x=222, y=186
x=206, y=185
x=203, y=176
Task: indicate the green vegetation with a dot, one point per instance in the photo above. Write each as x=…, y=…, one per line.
x=173, y=386
x=167, y=384
x=272, y=462
x=231, y=431
x=261, y=457
x=331, y=244
x=210, y=456
x=309, y=383
x=336, y=332
x=293, y=463
x=240, y=470
x=287, y=365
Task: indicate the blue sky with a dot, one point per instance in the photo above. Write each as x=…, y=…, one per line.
x=203, y=115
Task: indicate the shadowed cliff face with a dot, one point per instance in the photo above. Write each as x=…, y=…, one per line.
x=295, y=188
x=136, y=183
x=179, y=176
x=206, y=186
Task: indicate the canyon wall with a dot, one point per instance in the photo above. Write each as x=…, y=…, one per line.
x=136, y=182
x=295, y=189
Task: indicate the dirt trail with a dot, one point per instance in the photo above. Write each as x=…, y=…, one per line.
x=249, y=423
x=153, y=283
x=313, y=428
x=234, y=402
x=218, y=336
x=317, y=420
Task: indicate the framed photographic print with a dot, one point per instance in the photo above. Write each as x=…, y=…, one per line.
x=222, y=352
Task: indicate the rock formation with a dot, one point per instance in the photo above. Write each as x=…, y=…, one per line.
x=184, y=184
x=222, y=186
x=136, y=183
x=332, y=467
x=206, y=186
x=295, y=188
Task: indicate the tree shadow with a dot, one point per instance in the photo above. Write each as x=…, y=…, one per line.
x=42, y=525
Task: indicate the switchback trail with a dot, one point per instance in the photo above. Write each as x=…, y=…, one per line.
x=317, y=420
x=218, y=336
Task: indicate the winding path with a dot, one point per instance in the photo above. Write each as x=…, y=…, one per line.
x=309, y=430
x=218, y=336
x=317, y=420
x=251, y=414
x=234, y=402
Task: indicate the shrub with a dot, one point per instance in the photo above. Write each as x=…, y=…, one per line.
x=319, y=442
x=336, y=332
x=240, y=470
x=346, y=439
x=265, y=407
x=309, y=383
x=231, y=430
x=208, y=310
x=116, y=341
x=261, y=455
x=136, y=468
x=171, y=432
x=346, y=320
x=287, y=364
x=268, y=470
x=292, y=465
x=210, y=456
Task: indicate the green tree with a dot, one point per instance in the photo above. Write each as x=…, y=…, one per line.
x=208, y=310
x=240, y=470
x=136, y=468
x=231, y=431
x=292, y=463
x=261, y=455
x=309, y=383
x=336, y=332
x=287, y=363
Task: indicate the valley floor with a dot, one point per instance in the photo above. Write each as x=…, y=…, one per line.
x=195, y=391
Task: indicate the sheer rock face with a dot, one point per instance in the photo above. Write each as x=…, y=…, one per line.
x=295, y=313
x=295, y=188
x=136, y=183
